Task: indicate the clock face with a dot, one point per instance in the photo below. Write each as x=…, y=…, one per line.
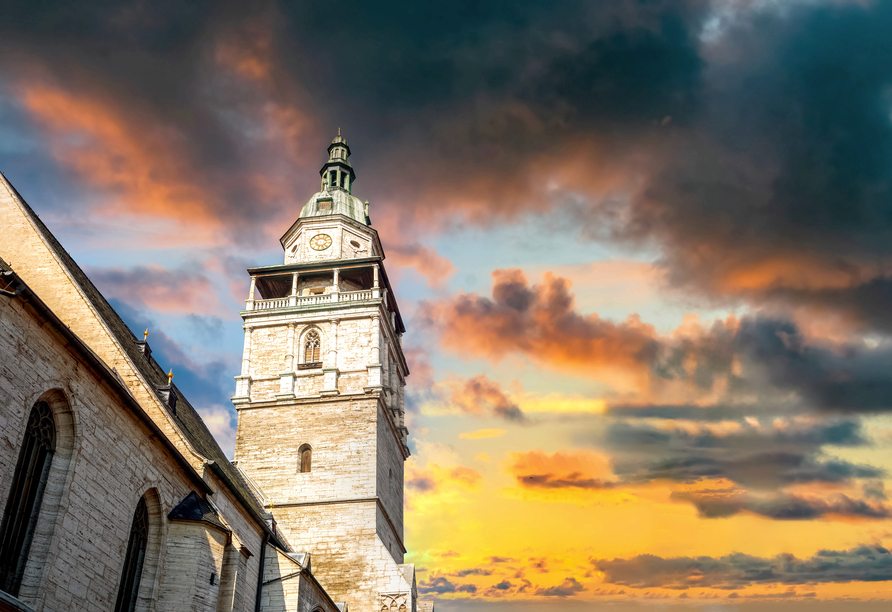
x=320, y=242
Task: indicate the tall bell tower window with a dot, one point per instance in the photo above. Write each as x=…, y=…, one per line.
x=133, y=561
x=312, y=349
x=23, y=504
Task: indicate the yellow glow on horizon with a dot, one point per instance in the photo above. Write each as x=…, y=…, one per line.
x=482, y=434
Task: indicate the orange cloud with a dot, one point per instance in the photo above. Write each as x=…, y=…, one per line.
x=540, y=322
x=480, y=169
x=435, y=268
x=420, y=366
x=434, y=479
x=583, y=470
x=480, y=395
x=247, y=52
x=160, y=289
x=134, y=157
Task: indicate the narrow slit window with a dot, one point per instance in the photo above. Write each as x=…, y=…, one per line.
x=312, y=349
x=306, y=458
x=133, y=561
x=23, y=504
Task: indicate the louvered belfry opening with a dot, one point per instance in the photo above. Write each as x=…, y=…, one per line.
x=23, y=504
x=133, y=561
x=312, y=349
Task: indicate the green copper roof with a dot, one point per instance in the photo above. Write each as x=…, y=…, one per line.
x=337, y=183
x=335, y=202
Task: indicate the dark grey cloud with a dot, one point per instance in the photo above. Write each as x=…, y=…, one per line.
x=766, y=459
x=441, y=585
x=759, y=355
x=774, y=353
x=569, y=53
x=437, y=585
x=708, y=413
x=791, y=168
x=874, y=489
x=763, y=470
x=568, y=588
x=574, y=480
x=837, y=432
x=862, y=564
x=474, y=571
x=421, y=484
x=765, y=140
x=722, y=504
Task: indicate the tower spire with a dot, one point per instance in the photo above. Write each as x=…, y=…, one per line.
x=337, y=169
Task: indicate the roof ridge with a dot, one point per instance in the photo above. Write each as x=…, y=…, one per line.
x=186, y=418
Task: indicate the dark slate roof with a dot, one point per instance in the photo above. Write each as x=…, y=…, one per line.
x=186, y=417
x=5, y=273
x=193, y=508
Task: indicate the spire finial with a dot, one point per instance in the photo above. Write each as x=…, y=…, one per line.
x=170, y=376
x=145, y=335
x=339, y=131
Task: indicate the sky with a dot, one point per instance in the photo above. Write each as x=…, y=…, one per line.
x=643, y=250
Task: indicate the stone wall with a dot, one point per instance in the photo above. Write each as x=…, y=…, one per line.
x=194, y=555
x=23, y=248
x=244, y=548
x=105, y=461
x=273, y=333
x=389, y=484
x=347, y=511
x=107, y=441
x=341, y=433
x=290, y=587
x=349, y=559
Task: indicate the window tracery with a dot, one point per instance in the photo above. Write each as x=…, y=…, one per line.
x=312, y=348
x=134, y=559
x=25, y=496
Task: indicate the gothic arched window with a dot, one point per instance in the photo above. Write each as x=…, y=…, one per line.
x=133, y=561
x=312, y=348
x=25, y=495
x=306, y=457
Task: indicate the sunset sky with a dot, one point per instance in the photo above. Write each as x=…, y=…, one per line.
x=643, y=249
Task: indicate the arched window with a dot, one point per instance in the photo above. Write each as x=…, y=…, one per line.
x=133, y=561
x=25, y=495
x=306, y=457
x=312, y=348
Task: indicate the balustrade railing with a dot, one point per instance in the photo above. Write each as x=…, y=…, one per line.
x=309, y=300
x=270, y=304
x=356, y=296
x=300, y=301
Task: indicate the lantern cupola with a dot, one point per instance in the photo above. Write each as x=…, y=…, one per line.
x=337, y=173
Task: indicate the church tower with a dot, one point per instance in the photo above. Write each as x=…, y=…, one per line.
x=321, y=428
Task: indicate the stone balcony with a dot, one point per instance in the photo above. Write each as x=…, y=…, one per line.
x=311, y=302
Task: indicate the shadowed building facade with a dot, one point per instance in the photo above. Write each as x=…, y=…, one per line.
x=116, y=496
